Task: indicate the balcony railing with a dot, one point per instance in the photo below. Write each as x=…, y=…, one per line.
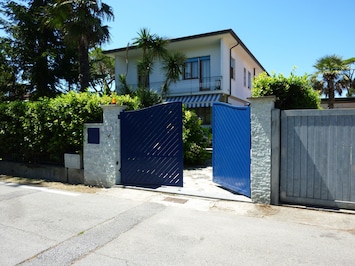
x=188, y=86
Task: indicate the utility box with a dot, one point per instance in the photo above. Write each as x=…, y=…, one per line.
x=72, y=161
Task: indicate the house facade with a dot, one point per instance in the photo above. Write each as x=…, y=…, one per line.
x=219, y=68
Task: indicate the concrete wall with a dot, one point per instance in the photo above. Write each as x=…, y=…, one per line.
x=102, y=160
x=40, y=171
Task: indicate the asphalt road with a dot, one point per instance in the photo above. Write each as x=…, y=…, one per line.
x=40, y=226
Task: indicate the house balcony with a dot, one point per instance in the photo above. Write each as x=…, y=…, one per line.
x=189, y=86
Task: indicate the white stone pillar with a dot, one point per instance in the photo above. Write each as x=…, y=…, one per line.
x=261, y=146
x=102, y=160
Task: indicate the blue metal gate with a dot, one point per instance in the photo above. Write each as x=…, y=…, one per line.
x=231, y=147
x=152, y=147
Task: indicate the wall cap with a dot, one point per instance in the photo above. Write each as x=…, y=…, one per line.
x=271, y=97
x=113, y=106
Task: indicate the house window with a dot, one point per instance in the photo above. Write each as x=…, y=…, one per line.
x=199, y=68
x=232, y=69
x=245, y=77
x=191, y=69
x=249, y=80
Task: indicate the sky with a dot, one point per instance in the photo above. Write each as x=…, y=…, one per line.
x=280, y=34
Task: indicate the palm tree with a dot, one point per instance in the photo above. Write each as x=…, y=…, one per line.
x=349, y=76
x=155, y=47
x=331, y=69
x=152, y=47
x=173, y=65
x=81, y=24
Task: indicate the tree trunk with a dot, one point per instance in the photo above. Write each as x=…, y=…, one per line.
x=84, y=72
x=331, y=94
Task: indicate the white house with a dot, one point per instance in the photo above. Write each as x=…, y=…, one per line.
x=219, y=68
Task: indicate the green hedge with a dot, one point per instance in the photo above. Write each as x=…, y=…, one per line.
x=44, y=130
x=293, y=92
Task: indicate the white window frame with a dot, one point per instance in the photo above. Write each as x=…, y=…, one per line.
x=249, y=80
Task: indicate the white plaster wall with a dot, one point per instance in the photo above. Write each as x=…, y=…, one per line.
x=243, y=60
x=238, y=89
x=192, y=86
x=130, y=71
x=225, y=66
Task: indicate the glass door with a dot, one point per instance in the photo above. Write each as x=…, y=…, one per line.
x=205, y=73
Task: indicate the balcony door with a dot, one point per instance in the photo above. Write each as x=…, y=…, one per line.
x=205, y=73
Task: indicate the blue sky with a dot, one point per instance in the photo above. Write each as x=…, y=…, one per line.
x=281, y=34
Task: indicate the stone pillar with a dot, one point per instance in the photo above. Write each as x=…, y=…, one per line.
x=102, y=150
x=261, y=147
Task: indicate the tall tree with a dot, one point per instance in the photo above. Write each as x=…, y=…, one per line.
x=81, y=23
x=102, y=74
x=10, y=88
x=33, y=45
x=153, y=47
x=349, y=76
x=330, y=68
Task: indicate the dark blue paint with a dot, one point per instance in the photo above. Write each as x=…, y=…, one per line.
x=152, y=147
x=231, y=147
x=94, y=135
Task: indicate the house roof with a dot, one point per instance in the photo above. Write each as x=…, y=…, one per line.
x=234, y=41
x=344, y=102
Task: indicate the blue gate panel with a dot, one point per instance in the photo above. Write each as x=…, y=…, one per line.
x=231, y=147
x=152, y=147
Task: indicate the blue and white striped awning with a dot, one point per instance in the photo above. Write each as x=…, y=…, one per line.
x=192, y=101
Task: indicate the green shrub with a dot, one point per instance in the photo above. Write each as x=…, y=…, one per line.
x=12, y=135
x=294, y=92
x=195, y=139
x=42, y=131
x=147, y=97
